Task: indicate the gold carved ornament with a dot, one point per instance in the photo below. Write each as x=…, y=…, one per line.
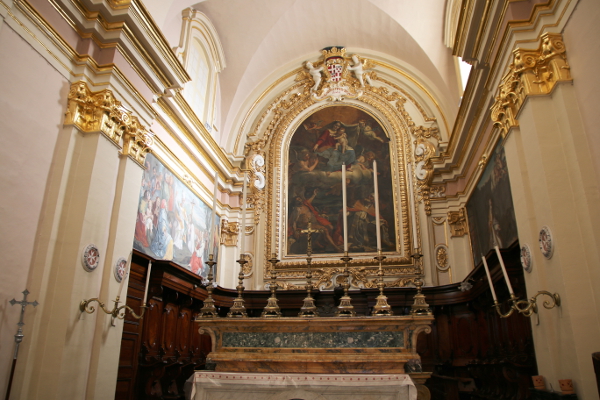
x=532, y=72
x=101, y=112
x=229, y=232
x=458, y=222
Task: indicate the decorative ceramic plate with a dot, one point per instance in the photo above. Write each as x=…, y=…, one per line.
x=546, y=242
x=120, y=269
x=526, y=260
x=91, y=257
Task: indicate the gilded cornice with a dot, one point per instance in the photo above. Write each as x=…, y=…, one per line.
x=532, y=73
x=101, y=112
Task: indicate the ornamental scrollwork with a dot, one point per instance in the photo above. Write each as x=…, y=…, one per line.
x=102, y=112
x=532, y=72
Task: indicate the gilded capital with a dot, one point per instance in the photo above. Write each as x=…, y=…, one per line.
x=102, y=112
x=532, y=72
x=229, y=232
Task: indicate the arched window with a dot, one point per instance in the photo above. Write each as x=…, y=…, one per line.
x=202, y=55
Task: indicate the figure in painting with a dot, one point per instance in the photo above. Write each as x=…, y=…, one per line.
x=168, y=217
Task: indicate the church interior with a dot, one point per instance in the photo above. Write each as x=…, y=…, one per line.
x=381, y=189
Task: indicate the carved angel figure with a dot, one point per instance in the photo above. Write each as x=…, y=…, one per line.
x=316, y=75
x=358, y=69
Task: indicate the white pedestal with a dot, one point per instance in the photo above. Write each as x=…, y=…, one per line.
x=208, y=385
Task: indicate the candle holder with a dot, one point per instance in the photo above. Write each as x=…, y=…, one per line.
x=272, y=310
x=420, y=306
x=308, y=308
x=381, y=308
x=345, y=309
x=528, y=307
x=116, y=312
x=209, y=310
x=238, y=309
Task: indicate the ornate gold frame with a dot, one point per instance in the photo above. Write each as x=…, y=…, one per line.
x=385, y=102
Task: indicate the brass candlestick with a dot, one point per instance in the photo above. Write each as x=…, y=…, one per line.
x=345, y=309
x=116, y=312
x=209, y=310
x=420, y=306
x=381, y=308
x=238, y=309
x=272, y=310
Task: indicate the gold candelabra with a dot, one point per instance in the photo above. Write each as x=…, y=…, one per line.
x=345, y=309
x=420, y=306
x=272, y=310
x=209, y=310
x=528, y=307
x=381, y=308
x=308, y=308
x=116, y=312
x=238, y=309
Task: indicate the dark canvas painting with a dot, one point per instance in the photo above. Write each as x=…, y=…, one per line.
x=490, y=209
x=172, y=222
x=321, y=145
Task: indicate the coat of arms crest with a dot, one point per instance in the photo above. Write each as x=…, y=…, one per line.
x=335, y=67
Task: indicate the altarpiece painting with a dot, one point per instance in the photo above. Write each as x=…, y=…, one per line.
x=325, y=142
x=172, y=222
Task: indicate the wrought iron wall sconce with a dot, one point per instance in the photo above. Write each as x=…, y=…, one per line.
x=116, y=312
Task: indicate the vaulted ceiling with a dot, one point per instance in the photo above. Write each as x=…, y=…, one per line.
x=262, y=38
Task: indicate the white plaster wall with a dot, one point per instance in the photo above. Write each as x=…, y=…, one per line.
x=32, y=105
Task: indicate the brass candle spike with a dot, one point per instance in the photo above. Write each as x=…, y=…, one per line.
x=209, y=310
x=238, y=309
x=381, y=308
x=345, y=309
x=272, y=310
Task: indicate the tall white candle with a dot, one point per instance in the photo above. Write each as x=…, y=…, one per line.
x=273, y=214
x=243, y=230
x=411, y=205
x=147, y=281
x=377, y=221
x=487, y=272
x=510, y=289
x=211, y=236
x=344, y=207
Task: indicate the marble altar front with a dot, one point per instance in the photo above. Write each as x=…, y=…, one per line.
x=210, y=385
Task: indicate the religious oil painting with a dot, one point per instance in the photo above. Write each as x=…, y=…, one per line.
x=325, y=142
x=173, y=223
x=490, y=209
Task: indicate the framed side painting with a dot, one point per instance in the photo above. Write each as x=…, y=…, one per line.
x=490, y=209
x=328, y=140
x=172, y=222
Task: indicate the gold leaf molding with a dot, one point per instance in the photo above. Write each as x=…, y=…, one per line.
x=101, y=112
x=532, y=72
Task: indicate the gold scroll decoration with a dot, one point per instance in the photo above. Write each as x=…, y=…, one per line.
x=458, y=222
x=532, y=72
x=101, y=112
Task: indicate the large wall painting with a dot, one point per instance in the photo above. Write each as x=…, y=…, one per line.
x=490, y=209
x=319, y=147
x=172, y=222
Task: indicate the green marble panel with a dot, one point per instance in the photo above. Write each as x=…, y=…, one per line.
x=308, y=340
